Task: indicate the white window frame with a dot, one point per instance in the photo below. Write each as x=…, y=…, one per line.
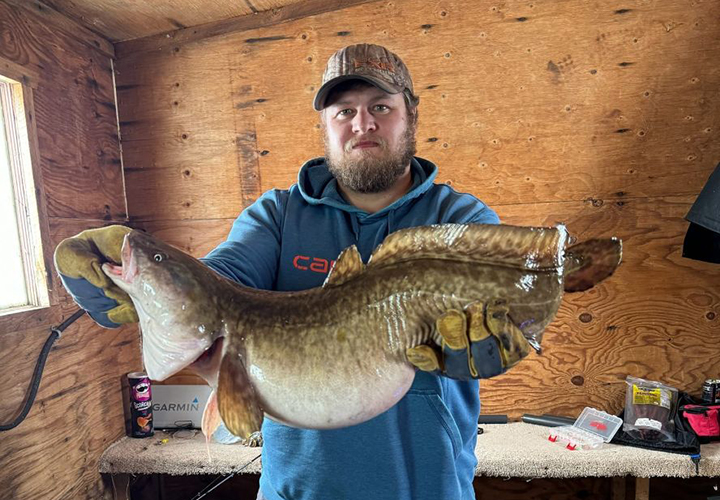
x=13, y=101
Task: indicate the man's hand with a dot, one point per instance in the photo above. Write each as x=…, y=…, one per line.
x=79, y=261
x=480, y=342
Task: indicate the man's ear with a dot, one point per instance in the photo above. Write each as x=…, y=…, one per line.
x=413, y=112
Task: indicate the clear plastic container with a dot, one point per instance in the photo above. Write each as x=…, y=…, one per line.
x=591, y=430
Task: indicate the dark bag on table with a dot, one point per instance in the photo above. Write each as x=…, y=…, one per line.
x=686, y=440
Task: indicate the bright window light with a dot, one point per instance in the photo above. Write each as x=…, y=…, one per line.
x=23, y=284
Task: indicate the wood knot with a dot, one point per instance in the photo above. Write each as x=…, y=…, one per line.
x=710, y=315
x=586, y=317
x=578, y=380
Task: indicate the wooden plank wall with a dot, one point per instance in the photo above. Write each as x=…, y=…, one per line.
x=601, y=116
x=78, y=411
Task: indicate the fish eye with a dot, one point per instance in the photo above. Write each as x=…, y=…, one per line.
x=158, y=257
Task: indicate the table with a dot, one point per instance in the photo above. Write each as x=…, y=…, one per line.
x=504, y=450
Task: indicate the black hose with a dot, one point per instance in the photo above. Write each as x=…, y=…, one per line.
x=39, y=367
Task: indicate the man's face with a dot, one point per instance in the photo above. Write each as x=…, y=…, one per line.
x=369, y=138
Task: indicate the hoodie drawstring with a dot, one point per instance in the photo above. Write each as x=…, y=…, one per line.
x=355, y=225
x=390, y=223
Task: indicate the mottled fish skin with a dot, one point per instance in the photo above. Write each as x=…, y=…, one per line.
x=334, y=356
x=347, y=344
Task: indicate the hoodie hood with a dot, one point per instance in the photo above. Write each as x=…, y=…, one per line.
x=318, y=187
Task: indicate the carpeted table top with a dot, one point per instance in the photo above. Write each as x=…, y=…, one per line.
x=503, y=450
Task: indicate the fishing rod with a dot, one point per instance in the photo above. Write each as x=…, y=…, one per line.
x=55, y=333
x=221, y=479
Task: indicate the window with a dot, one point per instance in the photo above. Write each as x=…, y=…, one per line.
x=22, y=284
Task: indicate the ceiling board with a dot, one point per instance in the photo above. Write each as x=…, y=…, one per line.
x=119, y=20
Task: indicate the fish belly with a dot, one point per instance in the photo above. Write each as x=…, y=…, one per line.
x=332, y=397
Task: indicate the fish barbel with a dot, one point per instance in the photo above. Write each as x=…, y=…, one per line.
x=335, y=356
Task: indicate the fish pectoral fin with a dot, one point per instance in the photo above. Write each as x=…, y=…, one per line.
x=348, y=265
x=238, y=404
x=211, y=416
x=590, y=262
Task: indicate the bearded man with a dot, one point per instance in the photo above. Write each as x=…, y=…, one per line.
x=368, y=185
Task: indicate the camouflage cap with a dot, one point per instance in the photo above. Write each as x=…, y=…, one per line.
x=371, y=63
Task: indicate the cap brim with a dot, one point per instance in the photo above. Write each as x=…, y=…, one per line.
x=321, y=96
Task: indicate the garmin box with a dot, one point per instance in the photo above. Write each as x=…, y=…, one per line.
x=179, y=406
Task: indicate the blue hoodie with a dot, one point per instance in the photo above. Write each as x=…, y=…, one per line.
x=423, y=447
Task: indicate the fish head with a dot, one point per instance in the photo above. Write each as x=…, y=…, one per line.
x=173, y=295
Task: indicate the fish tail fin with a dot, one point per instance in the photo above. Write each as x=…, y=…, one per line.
x=237, y=401
x=590, y=262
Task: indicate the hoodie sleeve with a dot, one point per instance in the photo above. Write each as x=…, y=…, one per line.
x=250, y=253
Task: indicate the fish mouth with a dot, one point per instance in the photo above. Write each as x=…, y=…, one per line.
x=128, y=270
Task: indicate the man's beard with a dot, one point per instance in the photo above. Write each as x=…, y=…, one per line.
x=369, y=173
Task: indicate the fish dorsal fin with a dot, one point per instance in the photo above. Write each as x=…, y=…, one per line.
x=348, y=265
x=532, y=248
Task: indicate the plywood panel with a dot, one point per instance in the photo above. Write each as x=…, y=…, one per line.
x=127, y=19
x=53, y=453
x=640, y=129
x=196, y=237
x=76, y=118
x=656, y=318
x=56, y=62
x=78, y=148
x=77, y=412
x=292, y=9
x=56, y=21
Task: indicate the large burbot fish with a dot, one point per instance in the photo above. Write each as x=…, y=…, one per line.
x=335, y=355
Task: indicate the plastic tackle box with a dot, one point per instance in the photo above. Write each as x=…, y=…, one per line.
x=591, y=429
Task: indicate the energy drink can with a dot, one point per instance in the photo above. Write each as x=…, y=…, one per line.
x=710, y=391
x=141, y=423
